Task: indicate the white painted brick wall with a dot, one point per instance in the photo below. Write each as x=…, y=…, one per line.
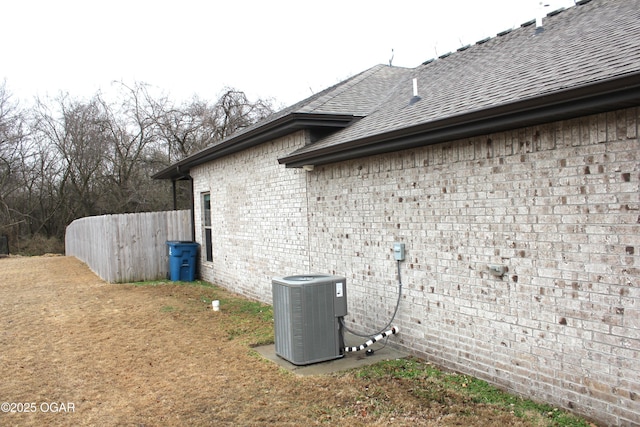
x=558, y=205
x=259, y=217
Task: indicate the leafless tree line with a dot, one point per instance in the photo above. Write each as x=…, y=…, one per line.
x=67, y=158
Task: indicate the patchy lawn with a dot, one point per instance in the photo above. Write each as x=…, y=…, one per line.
x=77, y=351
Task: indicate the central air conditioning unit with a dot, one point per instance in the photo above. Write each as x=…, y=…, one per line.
x=306, y=312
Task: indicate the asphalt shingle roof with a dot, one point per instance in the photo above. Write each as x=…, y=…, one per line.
x=520, y=70
x=590, y=42
x=350, y=99
x=358, y=95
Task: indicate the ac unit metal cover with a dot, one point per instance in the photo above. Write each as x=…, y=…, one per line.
x=306, y=311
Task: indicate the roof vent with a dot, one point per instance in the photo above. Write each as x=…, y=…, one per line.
x=539, y=27
x=415, y=97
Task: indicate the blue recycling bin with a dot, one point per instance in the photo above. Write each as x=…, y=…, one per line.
x=182, y=260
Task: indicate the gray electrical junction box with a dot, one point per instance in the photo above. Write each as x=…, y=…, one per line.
x=398, y=251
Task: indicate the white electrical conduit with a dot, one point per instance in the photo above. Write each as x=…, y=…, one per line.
x=393, y=330
x=346, y=328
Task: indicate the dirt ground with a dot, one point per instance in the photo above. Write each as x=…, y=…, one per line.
x=75, y=350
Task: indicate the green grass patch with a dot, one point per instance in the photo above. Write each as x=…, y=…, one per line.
x=169, y=282
x=251, y=322
x=247, y=320
x=428, y=382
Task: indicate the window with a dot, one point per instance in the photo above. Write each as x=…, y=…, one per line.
x=206, y=223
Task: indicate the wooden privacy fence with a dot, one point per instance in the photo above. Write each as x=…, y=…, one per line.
x=127, y=247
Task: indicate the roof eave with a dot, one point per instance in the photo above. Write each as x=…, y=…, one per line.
x=598, y=97
x=269, y=131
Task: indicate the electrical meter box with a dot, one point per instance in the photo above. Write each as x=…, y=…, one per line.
x=306, y=313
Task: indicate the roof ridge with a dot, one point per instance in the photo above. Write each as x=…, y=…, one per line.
x=302, y=105
x=344, y=86
x=506, y=31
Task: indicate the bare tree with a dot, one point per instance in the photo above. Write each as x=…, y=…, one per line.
x=195, y=125
x=188, y=128
x=77, y=131
x=68, y=158
x=131, y=132
x=14, y=151
x=234, y=112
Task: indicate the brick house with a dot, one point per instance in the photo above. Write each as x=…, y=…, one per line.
x=512, y=177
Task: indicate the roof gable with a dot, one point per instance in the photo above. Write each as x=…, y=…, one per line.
x=326, y=112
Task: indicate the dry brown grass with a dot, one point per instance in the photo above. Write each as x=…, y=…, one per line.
x=159, y=356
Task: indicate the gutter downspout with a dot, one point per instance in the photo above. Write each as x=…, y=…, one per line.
x=192, y=200
x=175, y=199
x=193, y=211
